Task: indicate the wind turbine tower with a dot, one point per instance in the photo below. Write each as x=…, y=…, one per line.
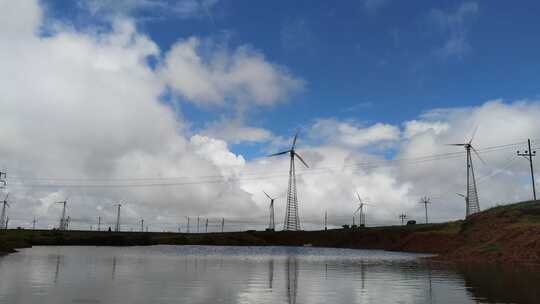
x=63, y=221
x=292, y=220
x=271, y=222
x=362, y=215
x=117, y=227
x=471, y=198
x=3, y=215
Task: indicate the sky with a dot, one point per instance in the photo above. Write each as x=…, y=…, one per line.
x=171, y=107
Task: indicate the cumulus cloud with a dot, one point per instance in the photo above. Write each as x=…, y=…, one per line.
x=350, y=135
x=80, y=106
x=242, y=75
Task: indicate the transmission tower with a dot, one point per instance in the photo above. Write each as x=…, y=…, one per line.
x=402, y=217
x=222, y=224
x=187, y=228
x=292, y=220
x=142, y=225
x=198, y=220
x=206, y=226
x=99, y=223
x=63, y=221
x=425, y=200
x=117, y=226
x=34, y=224
x=528, y=154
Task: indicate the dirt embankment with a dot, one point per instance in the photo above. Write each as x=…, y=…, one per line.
x=509, y=233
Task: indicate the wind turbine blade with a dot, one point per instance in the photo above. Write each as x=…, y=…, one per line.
x=358, y=195
x=455, y=144
x=473, y=134
x=357, y=210
x=280, y=153
x=302, y=160
x=294, y=140
x=478, y=155
x=267, y=194
x=460, y=194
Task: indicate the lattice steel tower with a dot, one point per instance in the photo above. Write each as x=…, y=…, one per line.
x=292, y=220
x=472, y=204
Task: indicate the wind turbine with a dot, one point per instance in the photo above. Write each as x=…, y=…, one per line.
x=3, y=216
x=63, y=221
x=271, y=222
x=362, y=217
x=117, y=227
x=471, y=198
x=292, y=220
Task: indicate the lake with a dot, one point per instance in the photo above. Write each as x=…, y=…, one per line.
x=215, y=274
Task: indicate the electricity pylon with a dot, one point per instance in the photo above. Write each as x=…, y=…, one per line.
x=402, y=217
x=471, y=199
x=292, y=220
x=187, y=228
x=425, y=200
x=63, y=221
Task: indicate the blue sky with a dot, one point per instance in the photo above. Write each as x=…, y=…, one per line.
x=367, y=61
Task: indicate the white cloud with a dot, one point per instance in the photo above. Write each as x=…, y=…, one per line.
x=415, y=127
x=156, y=8
x=350, y=135
x=210, y=74
x=236, y=132
x=454, y=25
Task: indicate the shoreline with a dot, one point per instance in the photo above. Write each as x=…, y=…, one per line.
x=505, y=234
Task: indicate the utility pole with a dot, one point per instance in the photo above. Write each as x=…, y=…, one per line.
x=425, y=200
x=325, y=220
x=117, y=227
x=206, y=229
x=197, y=224
x=529, y=155
x=99, y=223
x=142, y=225
x=222, y=224
x=402, y=217
x=187, y=224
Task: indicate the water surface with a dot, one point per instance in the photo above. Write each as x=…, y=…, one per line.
x=213, y=274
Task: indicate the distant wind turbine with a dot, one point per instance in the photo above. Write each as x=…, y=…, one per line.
x=362, y=215
x=3, y=215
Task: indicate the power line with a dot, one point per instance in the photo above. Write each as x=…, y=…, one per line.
x=221, y=179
